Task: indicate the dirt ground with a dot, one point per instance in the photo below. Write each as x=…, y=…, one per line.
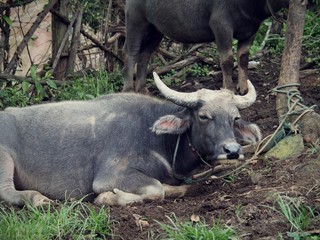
x=241, y=202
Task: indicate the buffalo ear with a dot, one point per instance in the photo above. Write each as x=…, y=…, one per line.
x=246, y=133
x=171, y=124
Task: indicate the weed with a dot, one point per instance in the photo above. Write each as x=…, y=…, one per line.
x=195, y=231
x=73, y=220
x=198, y=70
x=314, y=148
x=297, y=214
x=238, y=212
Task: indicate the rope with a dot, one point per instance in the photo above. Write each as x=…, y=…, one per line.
x=295, y=107
x=278, y=19
x=192, y=179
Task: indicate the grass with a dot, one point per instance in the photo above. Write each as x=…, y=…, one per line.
x=176, y=230
x=73, y=220
x=89, y=87
x=299, y=216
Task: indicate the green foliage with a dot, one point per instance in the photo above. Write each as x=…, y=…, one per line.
x=7, y=20
x=311, y=37
x=12, y=96
x=310, y=43
x=73, y=220
x=198, y=70
x=91, y=86
x=93, y=12
x=25, y=93
x=195, y=231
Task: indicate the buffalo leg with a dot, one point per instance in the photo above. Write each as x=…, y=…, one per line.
x=125, y=196
x=243, y=60
x=149, y=45
x=129, y=65
x=223, y=37
x=7, y=189
x=154, y=192
x=119, y=197
x=176, y=191
x=134, y=38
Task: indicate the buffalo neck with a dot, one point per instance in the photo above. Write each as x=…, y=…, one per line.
x=186, y=158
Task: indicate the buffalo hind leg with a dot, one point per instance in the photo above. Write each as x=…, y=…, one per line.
x=150, y=42
x=7, y=189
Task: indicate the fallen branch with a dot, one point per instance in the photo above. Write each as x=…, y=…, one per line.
x=175, y=66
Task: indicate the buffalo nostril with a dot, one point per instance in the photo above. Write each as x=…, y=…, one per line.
x=232, y=150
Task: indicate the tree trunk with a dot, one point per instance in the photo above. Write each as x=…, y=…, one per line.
x=59, y=30
x=288, y=104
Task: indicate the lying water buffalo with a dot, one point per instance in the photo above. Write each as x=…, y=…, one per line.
x=193, y=21
x=119, y=148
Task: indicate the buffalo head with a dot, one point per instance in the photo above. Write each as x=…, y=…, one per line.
x=211, y=120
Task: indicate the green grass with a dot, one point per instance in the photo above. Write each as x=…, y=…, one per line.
x=176, y=230
x=299, y=217
x=73, y=220
x=89, y=87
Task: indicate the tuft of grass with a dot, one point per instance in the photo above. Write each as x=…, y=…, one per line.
x=73, y=220
x=299, y=216
x=314, y=148
x=176, y=230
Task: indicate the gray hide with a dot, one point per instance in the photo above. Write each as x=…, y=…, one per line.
x=117, y=149
x=193, y=21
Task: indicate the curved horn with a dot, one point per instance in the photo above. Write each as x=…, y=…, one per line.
x=182, y=99
x=247, y=100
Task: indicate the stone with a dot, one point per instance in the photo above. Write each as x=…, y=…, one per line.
x=288, y=147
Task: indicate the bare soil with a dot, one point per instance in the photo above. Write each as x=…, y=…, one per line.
x=246, y=202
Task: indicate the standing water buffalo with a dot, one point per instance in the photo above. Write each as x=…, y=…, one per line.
x=194, y=21
x=119, y=148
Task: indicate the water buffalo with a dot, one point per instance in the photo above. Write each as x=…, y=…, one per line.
x=193, y=21
x=119, y=148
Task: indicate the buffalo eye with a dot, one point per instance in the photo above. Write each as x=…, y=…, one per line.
x=203, y=117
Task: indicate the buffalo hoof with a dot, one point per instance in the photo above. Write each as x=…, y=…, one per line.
x=144, y=91
x=242, y=90
x=117, y=197
x=40, y=200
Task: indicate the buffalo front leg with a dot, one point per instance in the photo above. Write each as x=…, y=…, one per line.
x=153, y=192
x=243, y=61
x=121, y=197
x=223, y=38
x=7, y=189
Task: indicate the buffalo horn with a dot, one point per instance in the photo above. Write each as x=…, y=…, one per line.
x=247, y=100
x=179, y=98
